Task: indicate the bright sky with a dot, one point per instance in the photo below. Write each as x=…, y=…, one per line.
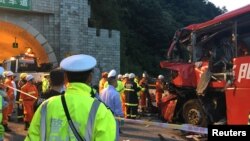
x=230, y=4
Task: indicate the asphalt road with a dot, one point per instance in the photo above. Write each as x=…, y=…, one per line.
x=130, y=132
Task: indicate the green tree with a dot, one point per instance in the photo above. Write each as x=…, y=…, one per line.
x=147, y=27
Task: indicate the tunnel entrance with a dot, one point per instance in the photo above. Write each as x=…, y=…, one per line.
x=16, y=41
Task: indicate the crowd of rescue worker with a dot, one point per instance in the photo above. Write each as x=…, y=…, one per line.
x=134, y=92
x=123, y=95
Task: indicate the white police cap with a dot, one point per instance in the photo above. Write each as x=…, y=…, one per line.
x=78, y=63
x=29, y=77
x=112, y=73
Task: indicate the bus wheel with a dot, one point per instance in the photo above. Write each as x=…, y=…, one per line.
x=193, y=113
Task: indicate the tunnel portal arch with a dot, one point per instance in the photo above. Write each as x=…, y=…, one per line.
x=26, y=36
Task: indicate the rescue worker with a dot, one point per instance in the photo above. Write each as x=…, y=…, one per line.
x=119, y=77
x=27, y=101
x=139, y=92
x=10, y=92
x=144, y=94
x=103, y=81
x=22, y=81
x=111, y=97
x=45, y=83
x=3, y=104
x=125, y=79
x=131, y=98
x=159, y=84
x=77, y=109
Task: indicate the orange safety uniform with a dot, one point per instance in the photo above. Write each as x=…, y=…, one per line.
x=28, y=101
x=103, y=81
x=159, y=91
x=101, y=84
x=123, y=98
x=10, y=94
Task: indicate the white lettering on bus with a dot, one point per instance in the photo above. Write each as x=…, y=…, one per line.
x=244, y=71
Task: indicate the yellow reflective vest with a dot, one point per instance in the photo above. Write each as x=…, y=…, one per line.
x=79, y=103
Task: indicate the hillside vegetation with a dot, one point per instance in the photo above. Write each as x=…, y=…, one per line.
x=147, y=27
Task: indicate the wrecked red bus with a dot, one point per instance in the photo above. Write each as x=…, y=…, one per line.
x=209, y=65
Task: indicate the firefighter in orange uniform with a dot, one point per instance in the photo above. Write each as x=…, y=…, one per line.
x=124, y=80
x=3, y=90
x=10, y=92
x=28, y=101
x=159, y=91
x=144, y=91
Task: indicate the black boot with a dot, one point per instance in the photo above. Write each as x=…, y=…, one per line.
x=6, y=128
x=26, y=126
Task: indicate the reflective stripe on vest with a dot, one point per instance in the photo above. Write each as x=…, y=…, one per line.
x=90, y=123
x=130, y=104
x=132, y=90
x=43, y=121
x=91, y=120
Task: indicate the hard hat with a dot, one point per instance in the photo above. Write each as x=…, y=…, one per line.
x=126, y=75
x=112, y=73
x=105, y=74
x=9, y=73
x=144, y=74
x=131, y=75
x=78, y=63
x=119, y=76
x=1, y=70
x=23, y=75
x=160, y=77
x=29, y=77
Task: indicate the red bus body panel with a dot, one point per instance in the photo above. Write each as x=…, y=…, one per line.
x=238, y=96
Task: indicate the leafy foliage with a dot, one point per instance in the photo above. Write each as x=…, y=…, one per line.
x=147, y=27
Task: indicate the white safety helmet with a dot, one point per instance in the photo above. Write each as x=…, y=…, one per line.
x=160, y=77
x=9, y=73
x=29, y=77
x=112, y=73
x=131, y=75
x=145, y=74
x=119, y=76
x=126, y=75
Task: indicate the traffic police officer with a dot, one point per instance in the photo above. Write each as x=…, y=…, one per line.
x=76, y=115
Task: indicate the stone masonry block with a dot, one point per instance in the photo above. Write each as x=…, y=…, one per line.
x=41, y=39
